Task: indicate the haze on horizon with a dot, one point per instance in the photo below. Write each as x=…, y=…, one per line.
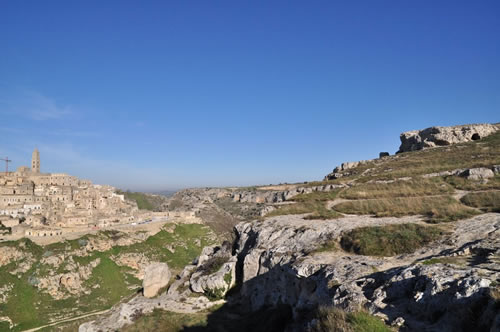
x=164, y=95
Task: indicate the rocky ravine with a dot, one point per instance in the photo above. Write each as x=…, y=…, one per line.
x=275, y=263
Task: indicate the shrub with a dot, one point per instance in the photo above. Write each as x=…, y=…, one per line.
x=215, y=294
x=486, y=201
x=228, y=278
x=213, y=265
x=389, y=240
x=332, y=319
x=364, y=322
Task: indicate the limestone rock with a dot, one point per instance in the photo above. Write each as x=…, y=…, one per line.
x=481, y=173
x=220, y=281
x=439, y=136
x=343, y=169
x=9, y=254
x=278, y=263
x=215, y=271
x=276, y=268
x=156, y=277
x=383, y=154
x=136, y=261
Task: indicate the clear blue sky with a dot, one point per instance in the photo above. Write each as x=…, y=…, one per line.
x=152, y=95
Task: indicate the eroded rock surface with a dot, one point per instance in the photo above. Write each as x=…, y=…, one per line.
x=136, y=261
x=64, y=285
x=439, y=136
x=9, y=254
x=156, y=277
x=445, y=286
x=277, y=264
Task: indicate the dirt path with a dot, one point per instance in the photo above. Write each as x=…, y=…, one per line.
x=69, y=320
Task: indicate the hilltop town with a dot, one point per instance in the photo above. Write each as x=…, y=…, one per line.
x=36, y=204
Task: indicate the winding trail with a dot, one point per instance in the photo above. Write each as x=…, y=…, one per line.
x=69, y=320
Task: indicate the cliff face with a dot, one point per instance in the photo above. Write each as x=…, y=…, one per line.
x=445, y=286
x=277, y=262
x=440, y=136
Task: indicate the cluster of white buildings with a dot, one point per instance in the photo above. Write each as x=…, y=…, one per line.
x=40, y=201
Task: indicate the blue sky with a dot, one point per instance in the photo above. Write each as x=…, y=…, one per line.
x=153, y=95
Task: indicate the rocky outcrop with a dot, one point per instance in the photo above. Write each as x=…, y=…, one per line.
x=10, y=254
x=215, y=272
x=156, y=277
x=476, y=174
x=197, y=199
x=136, y=261
x=277, y=263
x=265, y=196
x=344, y=169
x=424, y=297
x=63, y=285
x=440, y=136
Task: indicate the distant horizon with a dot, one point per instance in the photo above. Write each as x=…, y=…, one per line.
x=173, y=190
x=165, y=95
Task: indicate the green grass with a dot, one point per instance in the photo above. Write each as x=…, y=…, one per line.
x=445, y=260
x=471, y=185
x=113, y=286
x=141, y=199
x=228, y=278
x=313, y=203
x=327, y=246
x=114, y=281
x=486, y=201
x=185, y=234
x=213, y=265
x=214, y=294
x=316, y=209
x=218, y=318
x=389, y=240
x=166, y=321
x=364, y=322
x=332, y=319
x=482, y=153
x=410, y=188
x=321, y=196
x=436, y=209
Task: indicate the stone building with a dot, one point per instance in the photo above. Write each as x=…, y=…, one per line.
x=35, y=161
x=45, y=200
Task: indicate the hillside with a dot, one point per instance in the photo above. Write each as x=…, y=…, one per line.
x=407, y=242
x=72, y=278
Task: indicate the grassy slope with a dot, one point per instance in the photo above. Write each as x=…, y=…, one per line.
x=145, y=201
x=389, y=240
x=431, y=197
x=486, y=201
x=166, y=321
x=39, y=307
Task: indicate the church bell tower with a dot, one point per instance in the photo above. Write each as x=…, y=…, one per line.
x=35, y=161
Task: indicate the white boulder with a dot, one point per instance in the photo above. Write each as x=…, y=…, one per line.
x=156, y=277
